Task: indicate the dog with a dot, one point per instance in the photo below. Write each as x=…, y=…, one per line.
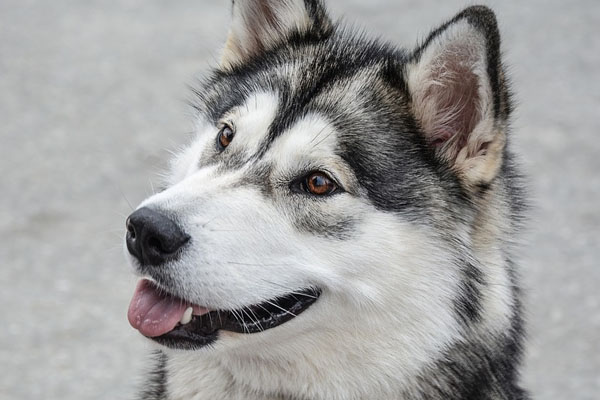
x=345, y=223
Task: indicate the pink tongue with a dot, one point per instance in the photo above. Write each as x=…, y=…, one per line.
x=154, y=313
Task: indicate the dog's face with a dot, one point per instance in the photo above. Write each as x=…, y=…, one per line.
x=328, y=193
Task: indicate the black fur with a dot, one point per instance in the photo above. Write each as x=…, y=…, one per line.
x=156, y=381
x=398, y=171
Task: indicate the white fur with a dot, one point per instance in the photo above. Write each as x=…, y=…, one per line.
x=386, y=311
x=252, y=120
x=384, y=290
x=335, y=349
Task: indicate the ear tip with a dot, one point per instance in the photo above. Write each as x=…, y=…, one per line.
x=478, y=17
x=479, y=12
x=482, y=18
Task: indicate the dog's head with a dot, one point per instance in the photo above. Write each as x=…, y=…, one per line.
x=330, y=193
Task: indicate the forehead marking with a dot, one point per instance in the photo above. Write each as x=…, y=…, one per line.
x=252, y=120
x=313, y=137
x=310, y=144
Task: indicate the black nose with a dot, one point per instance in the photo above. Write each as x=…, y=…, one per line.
x=153, y=238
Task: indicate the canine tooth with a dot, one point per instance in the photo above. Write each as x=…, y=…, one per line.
x=187, y=316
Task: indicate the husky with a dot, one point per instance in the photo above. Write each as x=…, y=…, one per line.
x=344, y=223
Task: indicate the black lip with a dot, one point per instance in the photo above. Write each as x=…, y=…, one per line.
x=203, y=330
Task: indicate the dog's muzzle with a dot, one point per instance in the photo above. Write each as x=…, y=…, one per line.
x=153, y=239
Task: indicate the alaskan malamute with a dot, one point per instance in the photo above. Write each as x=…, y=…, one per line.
x=343, y=225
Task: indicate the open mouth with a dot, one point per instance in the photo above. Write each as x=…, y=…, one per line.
x=176, y=323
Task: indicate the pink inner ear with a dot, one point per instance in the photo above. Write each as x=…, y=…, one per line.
x=452, y=99
x=441, y=138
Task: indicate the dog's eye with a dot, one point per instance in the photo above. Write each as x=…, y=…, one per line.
x=225, y=137
x=319, y=184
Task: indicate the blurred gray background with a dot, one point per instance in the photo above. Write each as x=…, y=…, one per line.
x=92, y=94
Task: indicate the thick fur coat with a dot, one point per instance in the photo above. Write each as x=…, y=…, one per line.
x=410, y=252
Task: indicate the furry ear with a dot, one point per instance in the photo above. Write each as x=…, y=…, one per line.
x=459, y=96
x=260, y=25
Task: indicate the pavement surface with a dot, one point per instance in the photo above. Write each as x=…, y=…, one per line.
x=92, y=95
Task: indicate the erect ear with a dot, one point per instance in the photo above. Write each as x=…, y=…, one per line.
x=260, y=25
x=459, y=96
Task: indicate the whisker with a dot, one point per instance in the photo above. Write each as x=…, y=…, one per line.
x=318, y=134
x=291, y=290
x=226, y=230
x=207, y=222
x=303, y=294
x=268, y=311
x=116, y=234
x=112, y=249
x=322, y=140
x=256, y=265
x=240, y=319
x=282, y=309
x=112, y=231
x=256, y=319
x=125, y=197
x=236, y=316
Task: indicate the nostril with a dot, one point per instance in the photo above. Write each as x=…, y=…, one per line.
x=130, y=229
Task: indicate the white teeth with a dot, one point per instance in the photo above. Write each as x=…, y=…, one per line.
x=187, y=316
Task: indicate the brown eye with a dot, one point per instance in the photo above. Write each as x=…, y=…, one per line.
x=320, y=184
x=225, y=137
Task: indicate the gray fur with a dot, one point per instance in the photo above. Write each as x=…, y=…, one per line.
x=360, y=86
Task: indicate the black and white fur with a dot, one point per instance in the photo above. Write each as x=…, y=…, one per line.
x=414, y=257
